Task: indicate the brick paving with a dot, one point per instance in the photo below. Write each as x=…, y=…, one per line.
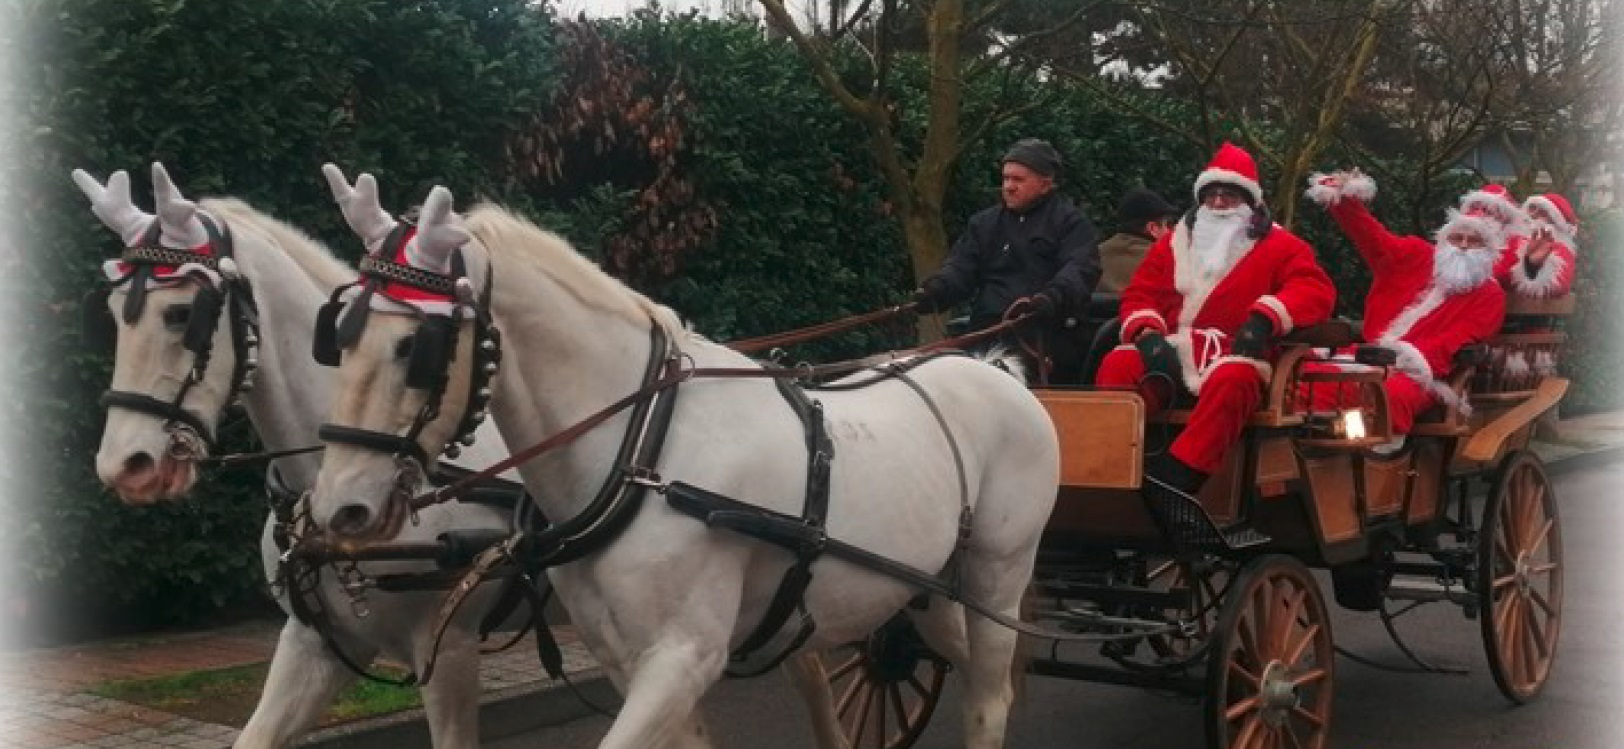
x=45, y=701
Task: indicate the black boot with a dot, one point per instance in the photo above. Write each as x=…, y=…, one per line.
x=1167, y=477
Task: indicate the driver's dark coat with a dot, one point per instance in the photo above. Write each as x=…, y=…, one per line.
x=1005, y=255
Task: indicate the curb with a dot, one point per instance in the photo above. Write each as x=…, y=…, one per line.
x=502, y=713
x=1585, y=459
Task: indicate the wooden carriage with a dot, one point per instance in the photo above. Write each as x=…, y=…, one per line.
x=1302, y=490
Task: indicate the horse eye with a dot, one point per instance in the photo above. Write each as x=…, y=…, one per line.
x=177, y=316
x=403, y=348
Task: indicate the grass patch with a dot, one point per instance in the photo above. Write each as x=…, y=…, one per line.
x=227, y=696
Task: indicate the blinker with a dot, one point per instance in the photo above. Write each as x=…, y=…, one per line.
x=432, y=349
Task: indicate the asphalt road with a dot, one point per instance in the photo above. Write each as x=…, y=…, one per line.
x=1582, y=707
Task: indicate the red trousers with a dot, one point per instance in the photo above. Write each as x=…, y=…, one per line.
x=1405, y=398
x=1231, y=392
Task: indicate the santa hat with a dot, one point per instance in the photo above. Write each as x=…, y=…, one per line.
x=1556, y=206
x=1478, y=222
x=1231, y=166
x=1494, y=200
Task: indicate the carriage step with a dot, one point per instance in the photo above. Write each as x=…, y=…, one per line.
x=1244, y=537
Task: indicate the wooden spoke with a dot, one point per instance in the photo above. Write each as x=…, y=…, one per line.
x=1308, y=717
x=1249, y=732
x=1270, y=682
x=1249, y=679
x=1242, y=707
x=1520, y=573
x=844, y=669
x=888, y=689
x=1311, y=676
x=1295, y=653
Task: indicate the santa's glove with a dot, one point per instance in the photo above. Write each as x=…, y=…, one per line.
x=1253, y=339
x=1159, y=356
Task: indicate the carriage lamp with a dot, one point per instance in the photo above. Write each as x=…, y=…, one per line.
x=1352, y=424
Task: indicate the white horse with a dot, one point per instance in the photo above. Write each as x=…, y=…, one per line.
x=291, y=275
x=662, y=605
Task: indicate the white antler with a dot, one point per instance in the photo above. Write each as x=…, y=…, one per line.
x=182, y=229
x=360, y=205
x=112, y=204
x=438, y=233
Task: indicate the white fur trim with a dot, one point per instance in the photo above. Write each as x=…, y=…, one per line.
x=1279, y=309
x=1494, y=235
x=1194, y=377
x=1321, y=193
x=1360, y=187
x=1161, y=322
x=1413, y=365
x=1544, y=282
x=1354, y=185
x=1406, y=319
x=1516, y=220
x=1517, y=364
x=1410, y=361
x=1229, y=178
x=1561, y=226
x=1544, y=362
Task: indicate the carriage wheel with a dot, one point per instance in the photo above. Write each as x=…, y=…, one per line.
x=1269, y=673
x=887, y=687
x=1519, y=577
x=1206, y=581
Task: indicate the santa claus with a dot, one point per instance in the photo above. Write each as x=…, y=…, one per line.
x=1532, y=260
x=1200, y=313
x=1542, y=266
x=1426, y=300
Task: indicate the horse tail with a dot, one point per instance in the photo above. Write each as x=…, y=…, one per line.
x=1002, y=357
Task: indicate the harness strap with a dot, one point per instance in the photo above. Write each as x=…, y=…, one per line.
x=389, y=444
x=791, y=594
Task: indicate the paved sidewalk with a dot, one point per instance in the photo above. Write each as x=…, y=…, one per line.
x=45, y=702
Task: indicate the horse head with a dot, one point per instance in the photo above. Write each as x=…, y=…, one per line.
x=415, y=351
x=182, y=353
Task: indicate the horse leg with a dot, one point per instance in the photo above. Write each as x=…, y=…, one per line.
x=451, y=696
x=304, y=679
x=989, y=685
x=662, y=695
x=806, y=673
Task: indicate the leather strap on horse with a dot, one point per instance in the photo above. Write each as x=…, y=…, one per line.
x=791, y=595
x=675, y=376
x=814, y=332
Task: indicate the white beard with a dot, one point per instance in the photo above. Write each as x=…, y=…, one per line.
x=1218, y=239
x=1455, y=270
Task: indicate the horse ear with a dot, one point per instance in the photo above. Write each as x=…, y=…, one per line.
x=176, y=215
x=359, y=203
x=111, y=203
x=438, y=233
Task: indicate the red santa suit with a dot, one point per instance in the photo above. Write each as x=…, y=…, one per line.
x=1200, y=311
x=1412, y=311
x=1554, y=277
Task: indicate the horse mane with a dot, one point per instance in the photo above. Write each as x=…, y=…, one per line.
x=518, y=240
x=311, y=256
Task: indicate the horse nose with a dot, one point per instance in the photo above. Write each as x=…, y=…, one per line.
x=112, y=471
x=351, y=520
x=139, y=463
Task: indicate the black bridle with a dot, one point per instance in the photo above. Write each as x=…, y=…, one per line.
x=433, y=349
x=232, y=296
